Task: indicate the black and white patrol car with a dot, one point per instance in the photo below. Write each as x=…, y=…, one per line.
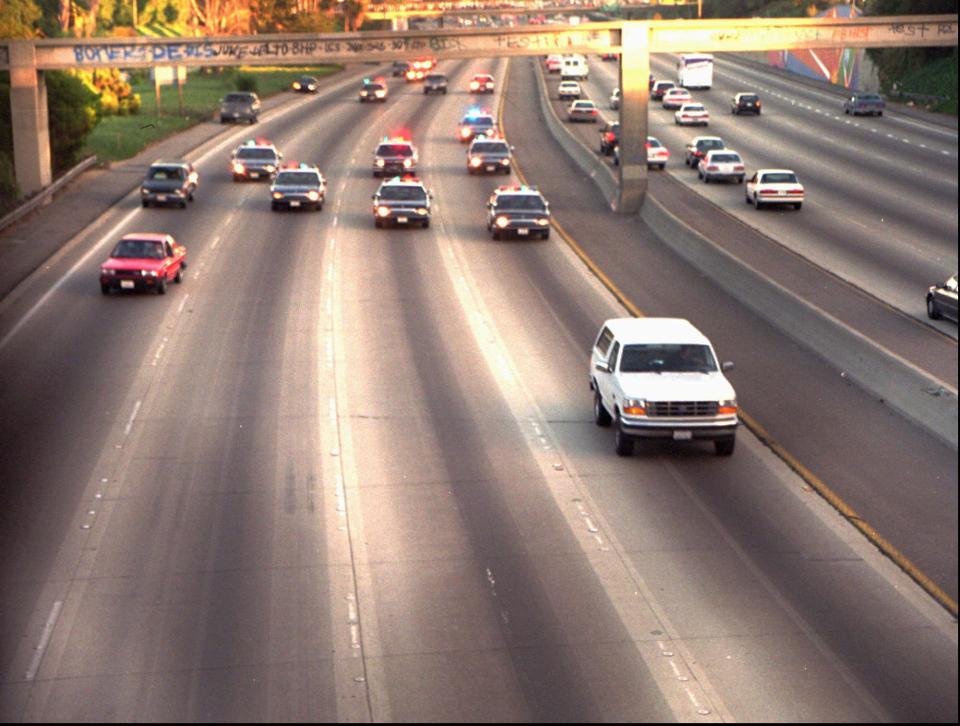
x=518, y=210
x=394, y=156
x=296, y=186
x=402, y=200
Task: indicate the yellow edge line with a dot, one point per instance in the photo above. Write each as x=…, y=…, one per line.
x=818, y=485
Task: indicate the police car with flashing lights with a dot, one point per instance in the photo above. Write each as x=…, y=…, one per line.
x=298, y=185
x=519, y=210
x=394, y=156
x=255, y=159
x=476, y=122
x=373, y=90
x=402, y=200
x=489, y=155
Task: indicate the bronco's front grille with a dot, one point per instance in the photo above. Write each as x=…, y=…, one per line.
x=681, y=408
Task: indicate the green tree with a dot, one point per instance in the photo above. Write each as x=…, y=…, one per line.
x=72, y=111
x=18, y=18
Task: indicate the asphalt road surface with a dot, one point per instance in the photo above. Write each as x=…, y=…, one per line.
x=348, y=473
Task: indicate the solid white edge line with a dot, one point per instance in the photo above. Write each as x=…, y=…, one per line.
x=44, y=640
x=129, y=427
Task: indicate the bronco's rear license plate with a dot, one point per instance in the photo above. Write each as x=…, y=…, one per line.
x=682, y=435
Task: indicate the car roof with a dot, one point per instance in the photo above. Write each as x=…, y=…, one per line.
x=402, y=181
x=698, y=139
x=776, y=171
x=723, y=151
x=584, y=102
x=175, y=162
x=146, y=237
x=655, y=330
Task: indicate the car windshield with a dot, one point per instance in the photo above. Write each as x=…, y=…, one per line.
x=403, y=193
x=748, y=99
x=300, y=178
x=652, y=142
x=479, y=120
x=693, y=107
x=165, y=173
x=725, y=159
x=257, y=154
x=525, y=202
x=490, y=148
x=869, y=97
x=583, y=104
x=394, y=150
x=308, y=79
x=138, y=249
x=436, y=78
x=667, y=358
x=373, y=86
x=780, y=177
x=238, y=98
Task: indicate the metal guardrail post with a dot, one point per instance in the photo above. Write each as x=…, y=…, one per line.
x=634, y=99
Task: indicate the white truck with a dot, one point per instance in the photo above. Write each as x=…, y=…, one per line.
x=695, y=70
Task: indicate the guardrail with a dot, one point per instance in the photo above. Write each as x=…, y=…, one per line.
x=43, y=198
x=893, y=380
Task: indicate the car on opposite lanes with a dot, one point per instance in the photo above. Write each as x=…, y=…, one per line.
x=435, y=82
x=143, y=262
x=489, y=155
x=255, y=159
x=298, y=185
x=401, y=200
x=568, y=90
x=658, y=378
x=692, y=114
x=862, y=104
x=373, y=90
x=774, y=186
x=745, y=103
x=476, y=123
x=720, y=164
x=942, y=300
x=675, y=98
x=699, y=146
x=519, y=210
x=169, y=182
x=305, y=84
x=583, y=111
x=240, y=106
x=482, y=83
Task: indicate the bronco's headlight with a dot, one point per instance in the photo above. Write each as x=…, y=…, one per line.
x=728, y=407
x=635, y=407
x=502, y=222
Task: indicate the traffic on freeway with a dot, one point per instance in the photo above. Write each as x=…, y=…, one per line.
x=406, y=451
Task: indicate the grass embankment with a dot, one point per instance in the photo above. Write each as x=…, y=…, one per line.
x=120, y=137
x=938, y=78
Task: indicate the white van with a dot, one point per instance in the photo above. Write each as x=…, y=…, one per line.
x=695, y=70
x=574, y=68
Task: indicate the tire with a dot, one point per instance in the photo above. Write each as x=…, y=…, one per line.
x=426, y=223
x=622, y=443
x=746, y=198
x=183, y=204
x=739, y=180
x=662, y=167
x=145, y=203
x=318, y=207
x=724, y=447
x=601, y=417
x=190, y=196
x=932, y=311
x=880, y=113
x=105, y=289
x=274, y=206
x=162, y=286
x=496, y=235
x=798, y=205
x=378, y=223
x=179, y=276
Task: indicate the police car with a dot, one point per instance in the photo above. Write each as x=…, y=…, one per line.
x=476, y=122
x=394, y=156
x=255, y=159
x=488, y=154
x=518, y=209
x=373, y=90
x=401, y=200
x=298, y=185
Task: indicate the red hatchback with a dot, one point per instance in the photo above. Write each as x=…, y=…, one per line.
x=142, y=262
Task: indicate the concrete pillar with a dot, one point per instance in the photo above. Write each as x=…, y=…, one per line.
x=28, y=111
x=634, y=99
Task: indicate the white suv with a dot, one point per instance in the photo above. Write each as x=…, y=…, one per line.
x=659, y=378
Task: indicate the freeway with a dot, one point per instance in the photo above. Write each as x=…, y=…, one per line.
x=892, y=180
x=347, y=473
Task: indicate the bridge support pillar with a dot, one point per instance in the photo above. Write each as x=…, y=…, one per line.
x=634, y=98
x=28, y=112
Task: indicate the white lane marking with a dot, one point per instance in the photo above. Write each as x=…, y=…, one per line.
x=156, y=358
x=44, y=640
x=129, y=427
x=216, y=241
x=183, y=304
x=59, y=283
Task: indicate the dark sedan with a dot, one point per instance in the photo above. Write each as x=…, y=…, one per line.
x=169, y=182
x=861, y=104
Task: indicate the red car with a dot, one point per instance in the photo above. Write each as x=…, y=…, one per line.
x=143, y=261
x=481, y=83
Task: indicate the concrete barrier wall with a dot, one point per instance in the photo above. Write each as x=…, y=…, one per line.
x=896, y=382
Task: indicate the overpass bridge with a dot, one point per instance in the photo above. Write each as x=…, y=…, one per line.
x=27, y=60
x=392, y=10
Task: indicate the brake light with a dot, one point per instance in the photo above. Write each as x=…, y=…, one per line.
x=738, y=167
x=713, y=167
x=767, y=192
x=794, y=191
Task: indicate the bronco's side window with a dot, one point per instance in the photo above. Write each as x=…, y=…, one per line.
x=612, y=361
x=604, y=341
